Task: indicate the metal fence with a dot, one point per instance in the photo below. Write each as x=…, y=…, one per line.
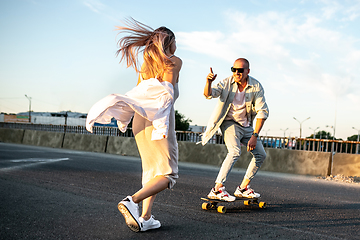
x=310, y=144
x=305, y=144
x=97, y=130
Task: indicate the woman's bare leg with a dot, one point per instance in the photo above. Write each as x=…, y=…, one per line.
x=147, y=204
x=148, y=193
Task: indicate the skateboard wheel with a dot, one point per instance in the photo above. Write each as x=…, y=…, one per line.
x=205, y=206
x=221, y=209
x=262, y=204
x=247, y=202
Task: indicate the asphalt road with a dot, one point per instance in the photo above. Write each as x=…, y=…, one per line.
x=61, y=194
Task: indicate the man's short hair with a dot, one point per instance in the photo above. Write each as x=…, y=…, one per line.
x=244, y=60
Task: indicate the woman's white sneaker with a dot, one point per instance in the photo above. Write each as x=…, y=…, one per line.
x=152, y=223
x=130, y=211
x=222, y=194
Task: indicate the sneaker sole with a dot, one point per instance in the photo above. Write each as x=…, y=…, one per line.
x=151, y=228
x=129, y=218
x=214, y=198
x=241, y=196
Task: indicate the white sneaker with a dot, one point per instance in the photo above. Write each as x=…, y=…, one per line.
x=221, y=195
x=152, y=223
x=130, y=211
x=246, y=192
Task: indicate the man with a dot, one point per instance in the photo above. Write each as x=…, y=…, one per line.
x=241, y=98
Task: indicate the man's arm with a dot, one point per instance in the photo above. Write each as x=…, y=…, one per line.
x=259, y=124
x=209, y=79
x=253, y=140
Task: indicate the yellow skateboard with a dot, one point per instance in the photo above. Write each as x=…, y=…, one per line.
x=213, y=203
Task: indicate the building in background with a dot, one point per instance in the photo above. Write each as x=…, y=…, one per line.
x=54, y=118
x=65, y=118
x=196, y=128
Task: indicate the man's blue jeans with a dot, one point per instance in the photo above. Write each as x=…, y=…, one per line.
x=234, y=134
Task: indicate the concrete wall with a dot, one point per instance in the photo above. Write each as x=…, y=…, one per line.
x=11, y=135
x=297, y=162
x=84, y=142
x=277, y=160
x=43, y=138
x=123, y=146
x=346, y=164
x=211, y=154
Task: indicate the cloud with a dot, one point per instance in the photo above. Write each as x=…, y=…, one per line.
x=102, y=10
x=354, y=100
x=331, y=8
x=202, y=42
x=303, y=50
x=344, y=11
x=94, y=5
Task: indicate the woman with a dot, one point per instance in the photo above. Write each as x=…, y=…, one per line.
x=159, y=157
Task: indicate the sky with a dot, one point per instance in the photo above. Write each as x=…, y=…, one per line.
x=306, y=54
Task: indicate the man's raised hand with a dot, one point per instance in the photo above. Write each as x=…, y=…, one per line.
x=211, y=77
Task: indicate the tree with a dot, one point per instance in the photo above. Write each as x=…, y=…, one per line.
x=181, y=123
x=319, y=135
x=323, y=135
x=353, y=138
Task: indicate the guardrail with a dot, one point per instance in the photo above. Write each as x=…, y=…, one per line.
x=307, y=144
x=310, y=144
x=97, y=130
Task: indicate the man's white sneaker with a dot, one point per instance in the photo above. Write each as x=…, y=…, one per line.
x=246, y=192
x=152, y=223
x=221, y=195
x=130, y=211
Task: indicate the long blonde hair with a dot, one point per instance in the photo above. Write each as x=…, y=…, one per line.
x=152, y=43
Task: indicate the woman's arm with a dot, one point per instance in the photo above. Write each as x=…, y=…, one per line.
x=171, y=74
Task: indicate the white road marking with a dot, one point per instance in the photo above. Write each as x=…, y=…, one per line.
x=39, y=160
x=19, y=150
x=28, y=162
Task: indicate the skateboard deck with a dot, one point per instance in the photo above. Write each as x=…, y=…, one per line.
x=213, y=203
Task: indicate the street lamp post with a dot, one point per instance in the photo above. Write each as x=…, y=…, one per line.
x=284, y=130
x=357, y=145
x=29, y=98
x=314, y=137
x=332, y=148
x=314, y=131
x=284, y=136
x=332, y=128
x=301, y=123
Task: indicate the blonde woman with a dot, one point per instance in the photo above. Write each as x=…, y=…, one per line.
x=153, y=128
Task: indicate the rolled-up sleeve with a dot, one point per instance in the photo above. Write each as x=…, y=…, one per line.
x=261, y=108
x=217, y=90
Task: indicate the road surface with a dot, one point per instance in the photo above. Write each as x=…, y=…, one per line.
x=51, y=193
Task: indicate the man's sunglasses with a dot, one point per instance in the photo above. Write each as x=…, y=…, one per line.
x=240, y=70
